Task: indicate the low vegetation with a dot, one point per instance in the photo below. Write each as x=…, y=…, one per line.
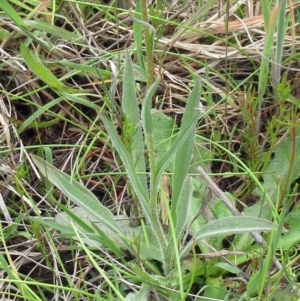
x=149, y=151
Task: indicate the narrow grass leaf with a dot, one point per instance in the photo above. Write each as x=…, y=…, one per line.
x=184, y=152
x=267, y=54
x=12, y=271
x=70, y=96
x=183, y=210
x=26, y=291
x=79, y=195
x=187, y=28
x=30, y=121
x=138, y=33
x=35, y=66
x=102, y=273
x=227, y=226
x=54, y=30
x=14, y=16
x=266, y=7
x=281, y=32
x=88, y=67
x=43, y=73
x=265, y=65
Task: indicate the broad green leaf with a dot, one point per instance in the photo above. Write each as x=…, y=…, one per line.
x=109, y=243
x=280, y=166
x=83, y=215
x=153, y=250
x=227, y=226
x=165, y=160
x=292, y=238
x=199, y=191
x=214, y=288
x=219, y=209
x=278, y=171
x=184, y=152
x=67, y=231
x=227, y=267
x=202, y=155
x=129, y=99
x=183, y=206
x=78, y=194
x=141, y=193
x=164, y=128
x=43, y=73
x=132, y=116
x=141, y=295
x=106, y=236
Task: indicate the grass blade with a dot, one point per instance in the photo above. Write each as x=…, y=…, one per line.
x=35, y=65
x=14, y=16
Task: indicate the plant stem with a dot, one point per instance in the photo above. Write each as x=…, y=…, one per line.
x=148, y=45
x=153, y=195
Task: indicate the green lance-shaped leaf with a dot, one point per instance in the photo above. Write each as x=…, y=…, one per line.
x=77, y=193
x=139, y=189
x=184, y=153
x=182, y=210
x=146, y=110
x=165, y=160
x=228, y=226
